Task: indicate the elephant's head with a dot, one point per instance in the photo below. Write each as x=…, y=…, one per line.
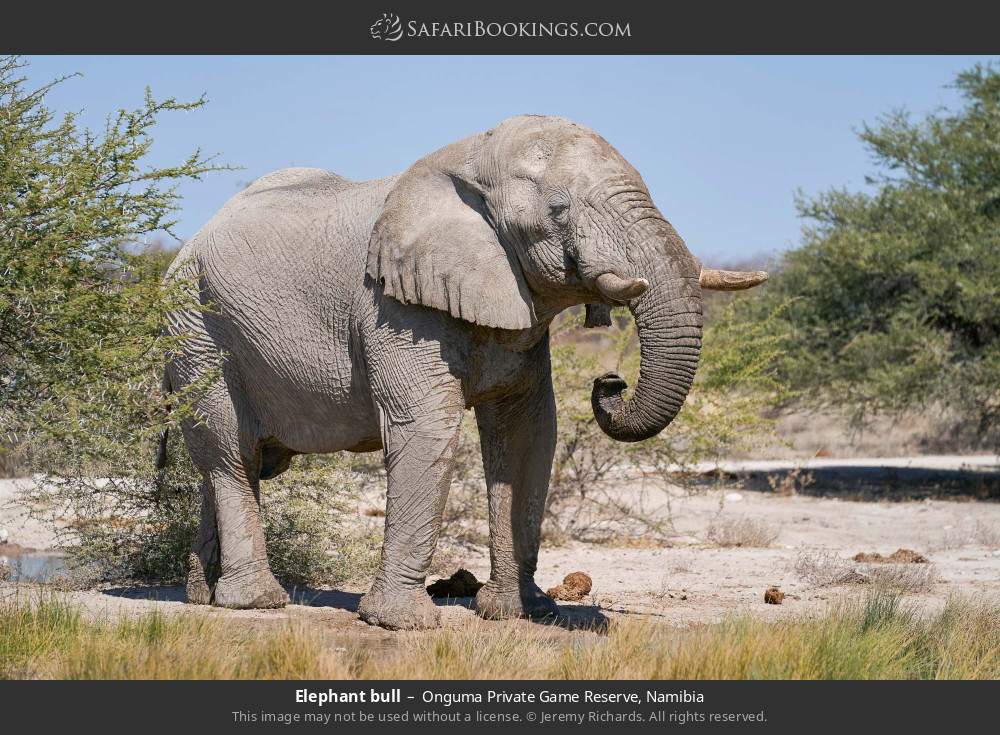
x=508, y=227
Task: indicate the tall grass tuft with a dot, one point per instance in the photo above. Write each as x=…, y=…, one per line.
x=41, y=636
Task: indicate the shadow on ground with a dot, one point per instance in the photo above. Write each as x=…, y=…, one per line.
x=156, y=593
x=571, y=617
x=850, y=482
x=306, y=596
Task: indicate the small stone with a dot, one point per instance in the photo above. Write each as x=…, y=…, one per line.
x=773, y=596
x=734, y=498
x=3, y=535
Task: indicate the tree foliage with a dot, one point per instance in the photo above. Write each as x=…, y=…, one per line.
x=80, y=310
x=82, y=352
x=894, y=296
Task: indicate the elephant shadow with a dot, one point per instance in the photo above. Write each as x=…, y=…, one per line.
x=571, y=617
x=873, y=482
x=580, y=617
x=154, y=593
x=298, y=595
x=311, y=597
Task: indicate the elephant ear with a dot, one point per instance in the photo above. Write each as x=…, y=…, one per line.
x=435, y=245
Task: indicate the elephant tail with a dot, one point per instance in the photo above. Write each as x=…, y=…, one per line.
x=161, y=450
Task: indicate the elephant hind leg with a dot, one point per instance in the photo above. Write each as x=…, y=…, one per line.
x=229, y=464
x=246, y=580
x=203, y=561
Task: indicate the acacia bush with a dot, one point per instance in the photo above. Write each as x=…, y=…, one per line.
x=82, y=303
x=894, y=296
x=80, y=311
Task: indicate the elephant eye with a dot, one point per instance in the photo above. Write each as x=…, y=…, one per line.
x=558, y=209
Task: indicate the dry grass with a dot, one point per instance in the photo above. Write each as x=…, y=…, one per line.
x=790, y=483
x=804, y=433
x=741, y=531
x=826, y=569
x=974, y=532
x=823, y=568
x=875, y=638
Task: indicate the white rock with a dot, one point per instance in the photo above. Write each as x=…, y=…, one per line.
x=733, y=497
x=3, y=535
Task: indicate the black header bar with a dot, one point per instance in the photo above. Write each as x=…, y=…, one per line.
x=448, y=27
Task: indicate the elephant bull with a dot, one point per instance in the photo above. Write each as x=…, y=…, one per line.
x=369, y=315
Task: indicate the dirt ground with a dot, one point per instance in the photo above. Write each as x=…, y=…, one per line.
x=695, y=580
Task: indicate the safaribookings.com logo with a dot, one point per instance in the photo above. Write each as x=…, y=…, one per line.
x=390, y=28
x=387, y=28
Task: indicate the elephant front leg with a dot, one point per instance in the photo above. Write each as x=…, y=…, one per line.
x=518, y=439
x=418, y=461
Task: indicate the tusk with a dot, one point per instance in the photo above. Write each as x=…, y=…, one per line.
x=714, y=280
x=621, y=289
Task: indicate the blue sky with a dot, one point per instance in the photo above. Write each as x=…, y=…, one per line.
x=722, y=142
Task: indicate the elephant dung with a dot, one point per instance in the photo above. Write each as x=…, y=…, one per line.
x=575, y=586
x=899, y=556
x=462, y=583
x=773, y=596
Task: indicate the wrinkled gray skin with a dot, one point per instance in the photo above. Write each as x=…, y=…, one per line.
x=364, y=315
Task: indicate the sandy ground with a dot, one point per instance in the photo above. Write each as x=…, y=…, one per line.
x=692, y=580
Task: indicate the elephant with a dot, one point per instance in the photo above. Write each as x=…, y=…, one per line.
x=357, y=316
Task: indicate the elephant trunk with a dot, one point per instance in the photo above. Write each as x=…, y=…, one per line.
x=668, y=317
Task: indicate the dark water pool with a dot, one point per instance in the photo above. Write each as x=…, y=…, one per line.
x=34, y=566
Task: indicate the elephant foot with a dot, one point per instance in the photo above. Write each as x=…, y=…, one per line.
x=406, y=609
x=527, y=602
x=258, y=591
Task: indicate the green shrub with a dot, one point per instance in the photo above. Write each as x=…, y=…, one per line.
x=80, y=310
x=82, y=352
x=893, y=297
